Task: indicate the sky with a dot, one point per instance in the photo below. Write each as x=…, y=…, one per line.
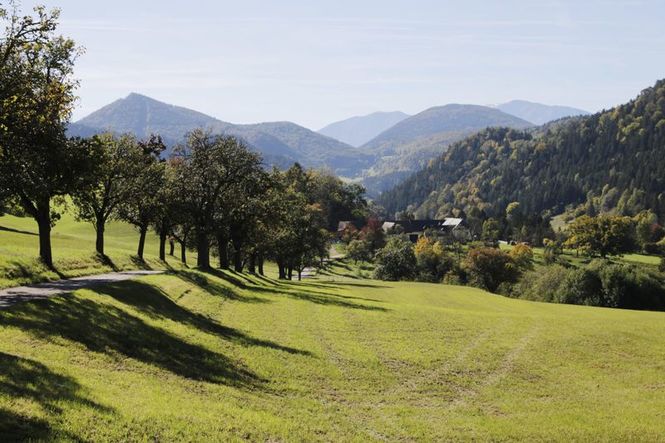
x=315, y=62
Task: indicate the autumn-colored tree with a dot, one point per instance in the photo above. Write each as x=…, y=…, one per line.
x=600, y=236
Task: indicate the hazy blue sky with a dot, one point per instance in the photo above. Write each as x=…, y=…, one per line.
x=313, y=62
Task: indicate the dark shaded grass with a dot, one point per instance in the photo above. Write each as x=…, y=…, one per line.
x=22, y=378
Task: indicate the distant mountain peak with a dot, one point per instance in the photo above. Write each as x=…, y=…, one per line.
x=539, y=113
x=281, y=143
x=358, y=130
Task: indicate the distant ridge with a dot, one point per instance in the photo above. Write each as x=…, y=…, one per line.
x=411, y=143
x=281, y=143
x=357, y=131
x=539, y=113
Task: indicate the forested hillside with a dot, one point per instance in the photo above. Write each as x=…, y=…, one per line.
x=407, y=146
x=610, y=161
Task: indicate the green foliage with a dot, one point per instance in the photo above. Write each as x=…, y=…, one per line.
x=491, y=230
x=602, y=235
x=396, y=260
x=522, y=255
x=490, y=267
x=616, y=154
x=601, y=283
x=37, y=162
x=359, y=251
x=431, y=260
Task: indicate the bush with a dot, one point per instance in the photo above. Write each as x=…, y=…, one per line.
x=581, y=287
x=546, y=284
x=396, y=260
x=432, y=262
x=601, y=283
x=489, y=267
x=359, y=250
x=522, y=255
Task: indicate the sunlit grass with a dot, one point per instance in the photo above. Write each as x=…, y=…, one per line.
x=73, y=250
x=223, y=356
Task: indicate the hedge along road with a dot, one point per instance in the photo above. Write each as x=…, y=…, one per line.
x=40, y=291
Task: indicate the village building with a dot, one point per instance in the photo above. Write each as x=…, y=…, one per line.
x=448, y=229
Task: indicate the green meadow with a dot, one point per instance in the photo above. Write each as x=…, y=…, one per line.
x=221, y=356
x=73, y=250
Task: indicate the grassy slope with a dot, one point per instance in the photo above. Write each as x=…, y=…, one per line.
x=191, y=356
x=73, y=250
x=578, y=260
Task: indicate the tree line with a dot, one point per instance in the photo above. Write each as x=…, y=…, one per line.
x=211, y=194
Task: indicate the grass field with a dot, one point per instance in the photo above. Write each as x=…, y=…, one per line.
x=574, y=259
x=221, y=356
x=73, y=250
x=193, y=356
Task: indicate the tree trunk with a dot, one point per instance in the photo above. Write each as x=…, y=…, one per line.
x=203, y=250
x=100, y=226
x=260, y=260
x=223, y=249
x=183, y=252
x=282, y=270
x=237, y=258
x=44, y=223
x=252, y=263
x=290, y=273
x=171, y=247
x=143, y=230
x=299, y=274
x=162, y=245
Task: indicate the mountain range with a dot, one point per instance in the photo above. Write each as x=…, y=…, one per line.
x=280, y=143
x=411, y=143
x=396, y=144
x=611, y=161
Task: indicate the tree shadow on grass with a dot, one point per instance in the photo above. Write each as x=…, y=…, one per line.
x=22, y=379
x=104, y=328
x=201, y=280
x=18, y=231
x=140, y=263
x=156, y=304
x=285, y=288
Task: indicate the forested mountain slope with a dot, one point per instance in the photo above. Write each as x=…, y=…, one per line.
x=407, y=146
x=612, y=161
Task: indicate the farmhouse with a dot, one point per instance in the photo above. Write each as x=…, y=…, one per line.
x=449, y=227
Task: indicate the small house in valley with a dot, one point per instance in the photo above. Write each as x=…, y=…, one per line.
x=448, y=228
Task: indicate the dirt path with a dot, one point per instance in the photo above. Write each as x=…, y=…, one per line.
x=39, y=291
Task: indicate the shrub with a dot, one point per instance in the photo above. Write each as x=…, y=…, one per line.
x=359, y=250
x=522, y=255
x=546, y=284
x=489, y=267
x=581, y=287
x=396, y=260
x=432, y=262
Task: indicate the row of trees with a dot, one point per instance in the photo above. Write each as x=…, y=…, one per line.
x=212, y=194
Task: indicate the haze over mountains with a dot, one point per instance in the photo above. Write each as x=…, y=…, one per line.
x=395, y=144
x=538, y=113
x=356, y=131
x=281, y=143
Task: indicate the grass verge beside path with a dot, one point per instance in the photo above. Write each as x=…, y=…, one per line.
x=73, y=251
